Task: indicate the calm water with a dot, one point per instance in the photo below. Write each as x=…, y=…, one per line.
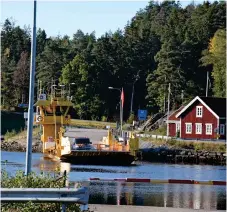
x=163, y=195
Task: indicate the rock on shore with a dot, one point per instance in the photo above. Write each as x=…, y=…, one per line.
x=16, y=146
x=167, y=155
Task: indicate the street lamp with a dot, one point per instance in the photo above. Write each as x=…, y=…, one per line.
x=31, y=96
x=137, y=77
x=121, y=106
x=62, y=90
x=73, y=83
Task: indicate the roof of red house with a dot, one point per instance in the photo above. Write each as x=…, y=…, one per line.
x=215, y=105
x=173, y=117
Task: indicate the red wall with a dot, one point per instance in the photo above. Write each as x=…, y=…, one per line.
x=172, y=129
x=190, y=117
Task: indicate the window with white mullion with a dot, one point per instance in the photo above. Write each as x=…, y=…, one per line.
x=188, y=128
x=198, y=128
x=199, y=111
x=208, y=129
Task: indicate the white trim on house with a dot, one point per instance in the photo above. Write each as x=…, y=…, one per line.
x=209, y=133
x=186, y=129
x=173, y=121
x=180, y=127
x=198, y=128
x=177, y=126
x=190, y=103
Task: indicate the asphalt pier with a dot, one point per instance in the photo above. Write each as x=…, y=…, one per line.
x=131, y=208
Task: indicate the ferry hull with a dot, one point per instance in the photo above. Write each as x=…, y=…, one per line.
x=99, y=158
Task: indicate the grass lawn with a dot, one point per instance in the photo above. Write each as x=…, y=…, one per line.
x=89, y=123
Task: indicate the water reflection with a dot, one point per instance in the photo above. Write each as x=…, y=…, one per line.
x=162, y=195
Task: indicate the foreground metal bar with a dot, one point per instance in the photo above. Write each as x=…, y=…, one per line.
x=61, y=195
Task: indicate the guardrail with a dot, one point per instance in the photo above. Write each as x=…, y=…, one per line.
x=160, y=181
x=61, y=195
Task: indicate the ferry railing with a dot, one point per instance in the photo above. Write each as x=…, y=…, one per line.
x=114, y=147
x=60, y=195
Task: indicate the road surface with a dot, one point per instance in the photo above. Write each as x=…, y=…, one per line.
x=95, y=135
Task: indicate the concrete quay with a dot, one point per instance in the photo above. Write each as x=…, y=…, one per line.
x=132, y=208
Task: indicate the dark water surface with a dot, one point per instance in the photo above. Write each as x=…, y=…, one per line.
x=164, y=195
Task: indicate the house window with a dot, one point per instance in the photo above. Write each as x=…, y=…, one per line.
x=198, y=128
x=199, y=111
x=222, y=129
x=177, y=127
x=188, y=128
x=208, y=129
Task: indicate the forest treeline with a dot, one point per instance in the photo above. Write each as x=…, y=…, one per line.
x=163, y=43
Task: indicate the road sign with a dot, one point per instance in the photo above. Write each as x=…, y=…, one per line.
x=25, y=115
x=42, y=96
x=23, y=105
x=142, y=115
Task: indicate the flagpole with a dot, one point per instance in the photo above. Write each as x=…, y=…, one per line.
x=122, y=106
x=207, y=84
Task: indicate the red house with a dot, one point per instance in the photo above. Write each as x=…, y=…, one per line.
x=202, y=118
x=174, y=123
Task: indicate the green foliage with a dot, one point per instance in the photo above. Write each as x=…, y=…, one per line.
x=104, y=118
x=33, y=181
x=10, y=134
x=162, y=42
x=131, y=118
x=215, y=55
x=198, y=146
x=159, y=131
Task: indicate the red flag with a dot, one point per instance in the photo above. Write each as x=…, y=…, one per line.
x=122, y=97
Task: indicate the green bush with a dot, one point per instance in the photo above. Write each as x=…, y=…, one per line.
x=159, y=131
x=104, y=118
x=33, y=181
x=10, y=134
x=131, y=118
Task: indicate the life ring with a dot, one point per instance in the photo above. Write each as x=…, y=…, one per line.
x=40, y=118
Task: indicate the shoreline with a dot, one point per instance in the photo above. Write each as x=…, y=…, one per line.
x=14, y=146
x=153, y=155
x=182, y=156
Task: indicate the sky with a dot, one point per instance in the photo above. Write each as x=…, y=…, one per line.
x=65, y=18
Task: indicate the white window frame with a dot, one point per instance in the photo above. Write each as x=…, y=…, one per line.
x=198, y=110
x=222, y=129
x=186, y=128
x=211, y=127
x=177, y=127
x=198, y=128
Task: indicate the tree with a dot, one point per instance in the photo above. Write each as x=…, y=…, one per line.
x=21, y=78
x=215, y=55
x=7, y=87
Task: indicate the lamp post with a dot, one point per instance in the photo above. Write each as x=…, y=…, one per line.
x=137, y=77
x=121, y=106
x=31, y=96
x=73, y=83
x=62, y=90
